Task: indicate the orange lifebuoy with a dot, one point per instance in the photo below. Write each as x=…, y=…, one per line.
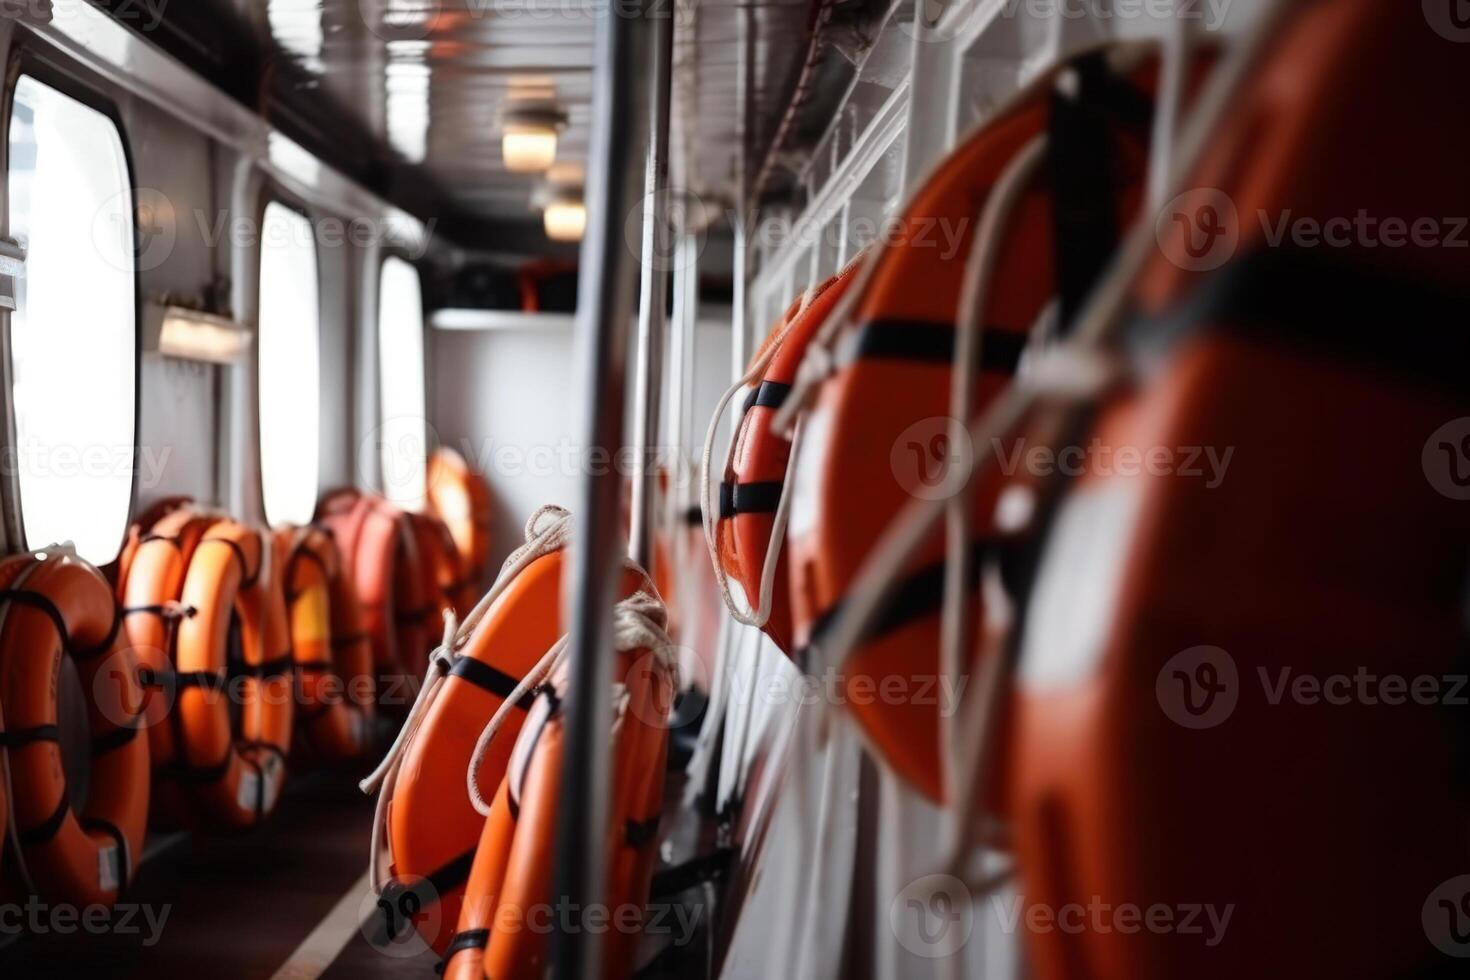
x=431, y=825
x=233, y=778
x=1159, y=749
x=334, y=659
x=149, y=590
x=879, y=432
x=381, y=555
x=461, y=498
x=510, y=888
x=54, y=606
x=752, y=485
x=447, y=585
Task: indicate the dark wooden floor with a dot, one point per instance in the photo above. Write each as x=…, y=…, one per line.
x=237, y=907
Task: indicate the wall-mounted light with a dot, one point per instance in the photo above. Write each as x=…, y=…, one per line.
x=192, y=335
x=565, y=217
x=528, y=143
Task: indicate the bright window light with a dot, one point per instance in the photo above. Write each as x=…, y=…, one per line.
x=290, y=373
x=75, y=330
x=402, y=438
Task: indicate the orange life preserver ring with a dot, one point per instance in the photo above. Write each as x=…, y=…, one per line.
x=510, y=884
x=1163, y=750
x=878, y=433
x=448, y=587
x=334, y=658
x=54, y=606
x=461, y=498
x=149, y=590
x=380, y=553
x=751, y=488
x=431, y=825
x=233, y=778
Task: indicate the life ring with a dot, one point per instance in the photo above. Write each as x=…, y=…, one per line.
x=511, y=882
x=335, y=699
x=448, y=587
x=1158, y=749
x=462, y=499
x=755, y=475
x=879, y=432
x=431, y=825
x=150, y=591
x=381, y=555
x=233, y=778
x=54, y=605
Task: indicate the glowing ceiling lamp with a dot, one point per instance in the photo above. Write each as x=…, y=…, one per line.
x=565, y=216
x=529, y=135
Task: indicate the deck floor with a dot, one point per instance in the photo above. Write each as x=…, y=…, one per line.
x=237, y=907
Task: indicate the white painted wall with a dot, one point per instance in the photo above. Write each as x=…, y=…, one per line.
x=507, y=400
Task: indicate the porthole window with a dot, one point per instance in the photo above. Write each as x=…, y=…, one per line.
x=290, y=369
x=403, y=431
x=74, y=334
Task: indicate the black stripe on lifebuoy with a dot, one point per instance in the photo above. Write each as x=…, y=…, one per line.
x=927, y=342
x=21, y=737
x=247, y=580
x=43, y=603
x=117, y=738
x=638, y=834
x=488, y=678
x=174, y=681
x=749, y=498
x=48, y=828
x=84, y=654
x=461, y=941
x=428, y=888
x=277, y=667
x=916, y=596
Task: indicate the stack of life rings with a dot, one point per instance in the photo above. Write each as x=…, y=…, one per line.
x=461, y=846
x=209, y=656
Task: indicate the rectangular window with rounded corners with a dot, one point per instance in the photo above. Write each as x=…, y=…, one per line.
x=403, y=430
x=74, y=333
x=290, y=368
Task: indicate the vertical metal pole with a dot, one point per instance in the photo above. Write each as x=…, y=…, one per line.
x=740, y=273
x=604, y=305
x=12, y=524
x=239, y=477
x=658, y=243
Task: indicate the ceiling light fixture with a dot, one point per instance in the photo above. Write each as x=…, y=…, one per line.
x=529, y=135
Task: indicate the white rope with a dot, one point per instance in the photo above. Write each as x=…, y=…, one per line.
x=996, y=219
x=761, y=610
x=547, y=531
x=639, y=623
